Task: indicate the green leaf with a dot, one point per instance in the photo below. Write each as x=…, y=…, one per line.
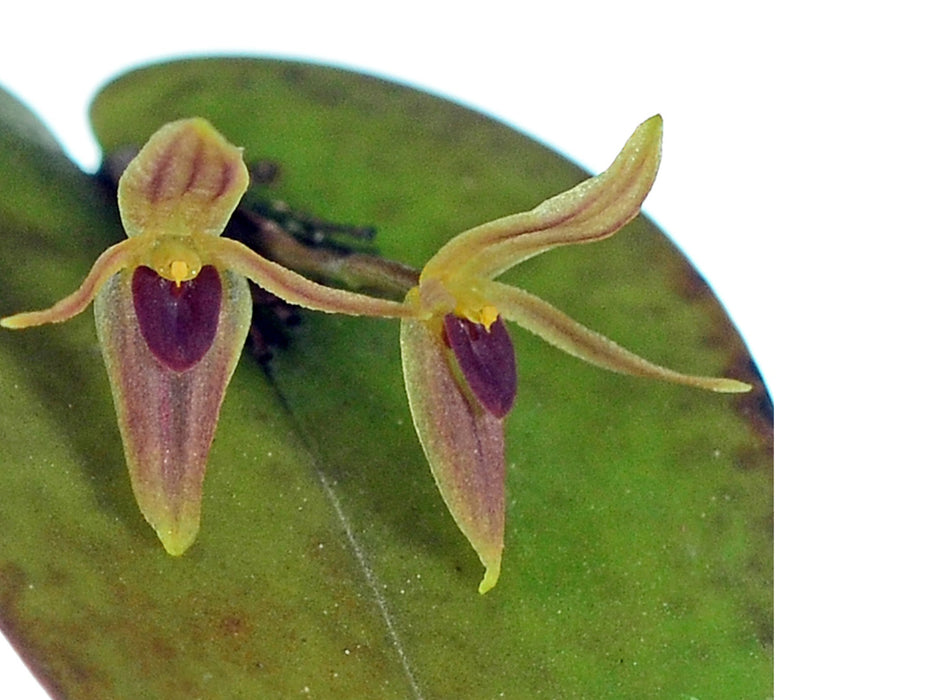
x=638, y=558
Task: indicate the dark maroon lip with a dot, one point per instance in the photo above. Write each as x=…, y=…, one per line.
x=177, y=321
x=487, y=360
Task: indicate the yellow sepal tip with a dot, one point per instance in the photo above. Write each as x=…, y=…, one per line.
x=490, y=578
x=731, y=386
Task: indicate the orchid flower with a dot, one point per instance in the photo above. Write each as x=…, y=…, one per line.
x=173, y=308
x=458, y=359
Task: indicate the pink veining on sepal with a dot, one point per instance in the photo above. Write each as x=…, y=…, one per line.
x=593, y=210
x=186, y=179
x=167, y=418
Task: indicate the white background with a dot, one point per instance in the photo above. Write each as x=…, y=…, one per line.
x=796, y=172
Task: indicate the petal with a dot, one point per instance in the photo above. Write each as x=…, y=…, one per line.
x=463, y=442
x=591, y=211
x=487, y=360
x=112, y=260
x=295, y=289
x=167, y=418
x=177, y=321
x=539, y=317
x=186, y=179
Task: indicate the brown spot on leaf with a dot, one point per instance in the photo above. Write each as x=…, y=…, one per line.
x=233, y=626
x=264, y=172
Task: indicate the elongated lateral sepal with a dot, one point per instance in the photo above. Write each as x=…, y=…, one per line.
x=111, y=261
x=539, y=317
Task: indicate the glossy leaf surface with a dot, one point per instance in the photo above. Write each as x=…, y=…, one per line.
x=638, y=558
